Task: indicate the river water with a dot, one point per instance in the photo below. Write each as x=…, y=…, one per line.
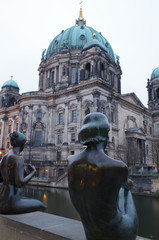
x=59, y=203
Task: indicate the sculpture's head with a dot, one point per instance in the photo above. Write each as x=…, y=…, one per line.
x=17, y=139
x=95, y=129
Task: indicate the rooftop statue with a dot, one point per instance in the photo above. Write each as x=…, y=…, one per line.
x=99, y=186
x=117, y=59
x=43, y=55
x=14, y=178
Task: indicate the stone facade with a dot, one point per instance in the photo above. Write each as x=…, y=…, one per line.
x=74, y=81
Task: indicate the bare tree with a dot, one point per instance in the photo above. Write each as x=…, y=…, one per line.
x=132, y=153
x=155, y=149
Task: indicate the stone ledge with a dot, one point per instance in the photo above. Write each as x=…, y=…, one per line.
x=41, y=226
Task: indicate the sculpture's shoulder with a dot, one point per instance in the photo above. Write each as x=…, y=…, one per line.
x=75, y=158
x=116, y=163
x=11, y=158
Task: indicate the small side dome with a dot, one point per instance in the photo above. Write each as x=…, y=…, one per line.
x=10, y=83
x=155, y=73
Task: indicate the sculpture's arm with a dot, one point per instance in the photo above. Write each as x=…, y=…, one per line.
x=127, y=183
x=20, y=179
x=1, y=161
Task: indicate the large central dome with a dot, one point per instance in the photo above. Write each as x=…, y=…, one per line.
x=79, y=37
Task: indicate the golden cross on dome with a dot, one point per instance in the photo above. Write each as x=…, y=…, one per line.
x=81, y=4
x=11, y=77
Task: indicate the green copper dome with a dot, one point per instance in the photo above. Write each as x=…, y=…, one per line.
x=79, y=37
x=10, y=83
x=155, y=73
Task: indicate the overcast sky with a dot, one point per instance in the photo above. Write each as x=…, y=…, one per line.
x=28, y=26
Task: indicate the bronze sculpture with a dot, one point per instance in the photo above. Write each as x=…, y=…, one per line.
x=14, y=177
x=99, y=186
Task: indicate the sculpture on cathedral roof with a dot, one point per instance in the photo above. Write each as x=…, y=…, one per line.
x=14, y=178
x=43, y=56
x=117, y=59
x=99, y=186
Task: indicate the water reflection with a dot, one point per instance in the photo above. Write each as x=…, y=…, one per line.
x=148, y=213
x=57, y=200
x=59, y=203
x=45, y=197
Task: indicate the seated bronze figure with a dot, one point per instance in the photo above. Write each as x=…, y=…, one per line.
x=99, y=186
x=14, y=178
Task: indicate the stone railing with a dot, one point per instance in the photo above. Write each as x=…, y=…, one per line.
x=41, y=226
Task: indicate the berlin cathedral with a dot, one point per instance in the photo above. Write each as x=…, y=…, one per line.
x=79, y=74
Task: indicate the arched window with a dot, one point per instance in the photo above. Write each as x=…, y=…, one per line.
x=111, y=75
x=150, y=94
x=61, y=118
x=102, y=70
x=103, y=110
x=73, y=75
x=39, y=115
x=157, y=92
x=74, y=115
x=87, y=111
x=9, y=128
x=58, y=156
x=12, y=101
x=37, y=138
x=87, y=70
x=59, y=139
x=38, y=133
x=73, y=137
x=112, y=116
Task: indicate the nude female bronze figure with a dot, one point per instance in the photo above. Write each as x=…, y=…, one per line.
x=14, y=178
x=99, y=186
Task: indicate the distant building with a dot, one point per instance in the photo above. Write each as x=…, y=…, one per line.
x=79, y=74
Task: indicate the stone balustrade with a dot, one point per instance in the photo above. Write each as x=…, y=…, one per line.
x=41, y=226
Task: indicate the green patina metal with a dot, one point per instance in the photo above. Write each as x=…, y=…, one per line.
x=10, y=83
x=133, y=129
x=155, y=73
x=94, y=43
x=81, y=37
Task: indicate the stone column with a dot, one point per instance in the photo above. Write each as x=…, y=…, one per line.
x=92, y=68
x=79, y=112
x=55, y=78
x=143, y=151
x=52, y=124
x=65, y=139
x=30, y=122
x=46, y=129
x=2, y=134
x=60, y=72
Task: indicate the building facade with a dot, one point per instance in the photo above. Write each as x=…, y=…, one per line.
x=79, y=74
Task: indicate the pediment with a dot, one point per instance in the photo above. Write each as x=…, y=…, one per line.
x=136, y=132
x=132, y=98
x=136, y=129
